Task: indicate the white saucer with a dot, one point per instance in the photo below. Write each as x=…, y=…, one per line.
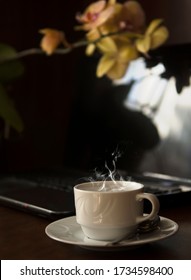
x=68, y=231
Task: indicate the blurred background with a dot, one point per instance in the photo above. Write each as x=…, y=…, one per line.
x=72, y=119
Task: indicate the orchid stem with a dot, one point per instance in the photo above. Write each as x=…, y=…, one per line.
x=81, y=43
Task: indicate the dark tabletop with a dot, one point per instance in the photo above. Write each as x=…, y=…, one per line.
x=22, y=236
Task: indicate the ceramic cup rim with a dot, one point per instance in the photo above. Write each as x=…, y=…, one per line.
x=85, y=187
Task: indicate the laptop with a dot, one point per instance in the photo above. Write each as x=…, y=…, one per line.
x=50, y=193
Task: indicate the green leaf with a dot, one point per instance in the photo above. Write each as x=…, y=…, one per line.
x=8, y=111
x=10, y=69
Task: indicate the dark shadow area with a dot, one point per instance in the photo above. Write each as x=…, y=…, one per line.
x=102, y=128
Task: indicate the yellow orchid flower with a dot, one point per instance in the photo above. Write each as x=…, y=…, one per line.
x=92, y=36
x=51, y=40
x=132, y=17
x=111, y=2
x=95, y=15
x=126, y=17
x=116, y=30
x=90, y=49
x=115, y=59
x=155, y=36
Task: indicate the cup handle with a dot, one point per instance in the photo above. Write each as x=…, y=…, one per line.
x=155, y=206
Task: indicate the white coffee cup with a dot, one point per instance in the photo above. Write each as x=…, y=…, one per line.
x=111, y=210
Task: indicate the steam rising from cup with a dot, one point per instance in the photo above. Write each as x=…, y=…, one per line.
x=110, y=173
